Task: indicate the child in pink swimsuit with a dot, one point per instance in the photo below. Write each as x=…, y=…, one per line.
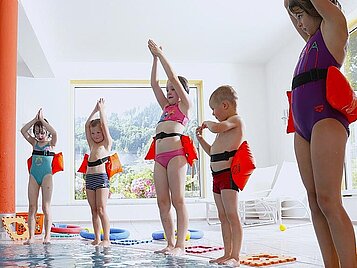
x=170, y=159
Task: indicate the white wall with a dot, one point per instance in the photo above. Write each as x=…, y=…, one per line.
x=56, y=99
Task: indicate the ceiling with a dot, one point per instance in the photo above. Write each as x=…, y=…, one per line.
x=228, y=31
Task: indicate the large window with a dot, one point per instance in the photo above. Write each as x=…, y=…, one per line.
x=350, y=70
x=132, y=113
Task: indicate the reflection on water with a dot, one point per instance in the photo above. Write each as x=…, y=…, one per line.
x=77, y=254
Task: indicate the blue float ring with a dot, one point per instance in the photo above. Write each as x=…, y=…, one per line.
x=115, y=234
x=158, y=235
x=194, y=234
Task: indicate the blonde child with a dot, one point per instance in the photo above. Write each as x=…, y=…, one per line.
x=170, y=160
x=43, y=142
x=229, y=135
x=97, y=181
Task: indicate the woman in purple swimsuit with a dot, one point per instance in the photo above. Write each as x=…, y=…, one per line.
x=322, y=132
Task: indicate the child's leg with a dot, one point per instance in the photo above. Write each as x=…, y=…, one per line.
x=225, y=229
x=164, y=203
x=91, y=197
x=101, y=201
x=230, y=203
x=33, y=191
x=47, y=189
x=176, y=172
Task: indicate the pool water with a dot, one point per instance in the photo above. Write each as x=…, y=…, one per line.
x=78, y=254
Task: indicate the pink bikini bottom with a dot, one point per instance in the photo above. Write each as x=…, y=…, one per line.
x=164, y=158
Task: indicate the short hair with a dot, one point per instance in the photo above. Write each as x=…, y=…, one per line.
x=184, y=83
x=224, y=93
x=95, y=122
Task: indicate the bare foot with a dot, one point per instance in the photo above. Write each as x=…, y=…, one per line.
x=29, y=241
x=164, y=250
x=232, y=262
x=104, y=244
x=220, y=260
x=176, y=252
x=46, y=240
x=95, y=242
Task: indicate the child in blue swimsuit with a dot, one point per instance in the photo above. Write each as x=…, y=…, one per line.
x=45, y=138
x=97, y=181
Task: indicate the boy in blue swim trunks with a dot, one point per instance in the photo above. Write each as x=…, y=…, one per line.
x=43, y=142
x=229, y=135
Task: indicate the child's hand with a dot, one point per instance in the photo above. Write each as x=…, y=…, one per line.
x=154, y=49
x=100, y=104
x=40, y=115
x=199, y=132
x=204, y=124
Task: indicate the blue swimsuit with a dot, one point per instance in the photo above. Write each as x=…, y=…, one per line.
x=41, y=164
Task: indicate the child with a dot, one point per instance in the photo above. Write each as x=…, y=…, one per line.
x=97, y=181
x=230, y=134
x=170, y=157
x=43, y=142
x=321, y=131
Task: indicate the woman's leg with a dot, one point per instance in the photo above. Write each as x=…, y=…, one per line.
x=322, y=230
x=47, y=189
x=101, y=204
x=91, y=197
x=164, y=204
x=176, y=173
x=328, y=144
x=33, y=191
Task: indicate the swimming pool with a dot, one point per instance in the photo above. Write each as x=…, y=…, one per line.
x=78, y=254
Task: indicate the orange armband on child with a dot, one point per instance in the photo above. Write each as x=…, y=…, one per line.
x=188, y=147
x=243, y=165
x=57, y=162
x=340, y=94
x=290, y=126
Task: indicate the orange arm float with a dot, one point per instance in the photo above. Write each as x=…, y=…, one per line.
x=190, y=149
x=113, y=165
x=83, y=167
x=151, y=153
x=290, y=127
x=340, y=94
x=243, y=165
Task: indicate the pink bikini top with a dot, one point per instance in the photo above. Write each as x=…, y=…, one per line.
x=173, y=113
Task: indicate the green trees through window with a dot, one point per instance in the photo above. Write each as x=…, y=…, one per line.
x=132, y=113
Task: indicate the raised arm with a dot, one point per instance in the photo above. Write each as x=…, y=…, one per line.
x=171, y=75
x=334, y=27
x=49, y=128
x=103, y=119
x=219, y=127
x=160, y=96
x=304, y=35
x=25, y=130
x=87, y=126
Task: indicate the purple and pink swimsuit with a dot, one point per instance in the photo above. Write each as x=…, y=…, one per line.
x=309, y=103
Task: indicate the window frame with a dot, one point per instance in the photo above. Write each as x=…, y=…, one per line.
x=133, y=83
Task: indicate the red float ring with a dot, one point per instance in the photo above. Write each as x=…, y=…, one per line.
x=66, y=229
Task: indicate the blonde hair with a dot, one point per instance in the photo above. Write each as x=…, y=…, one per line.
x=224, y=93
x=95, y=122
